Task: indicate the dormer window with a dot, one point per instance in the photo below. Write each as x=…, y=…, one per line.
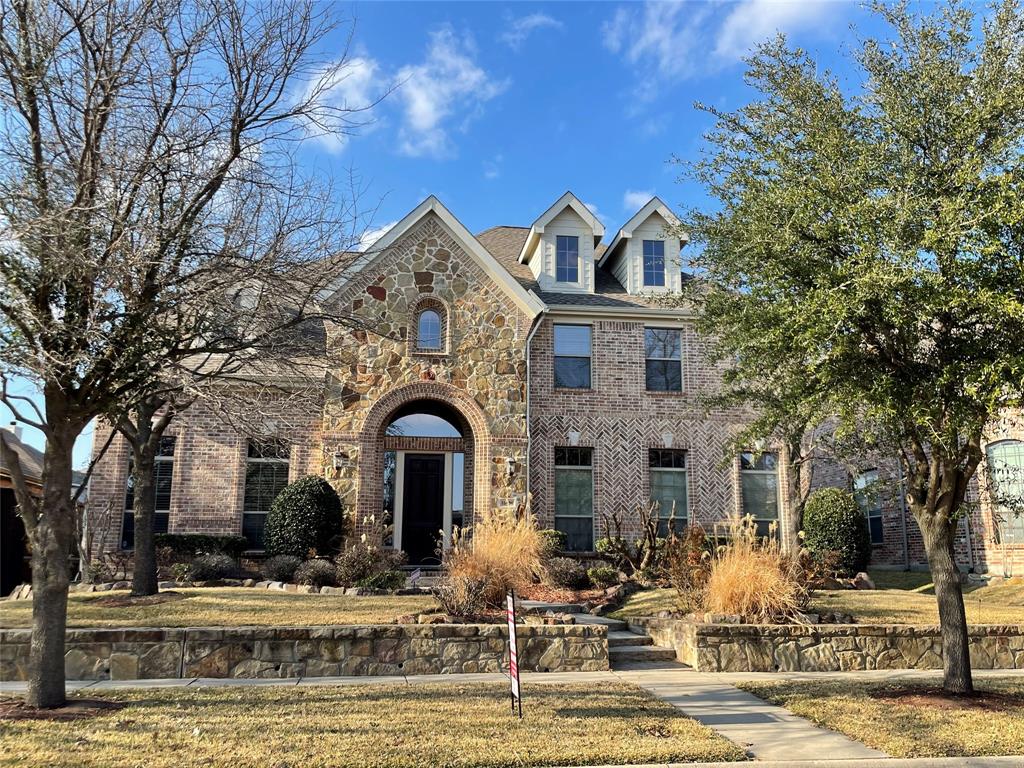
x=654, y=263
x=428, y=330
x=567, y=259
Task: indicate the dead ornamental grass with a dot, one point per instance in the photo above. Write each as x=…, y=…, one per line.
x=502, y=549
x=910, y=719
x=226, y=607
x=390, y=726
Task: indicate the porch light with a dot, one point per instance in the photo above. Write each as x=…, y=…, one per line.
x=340, y=460
x=511, y=466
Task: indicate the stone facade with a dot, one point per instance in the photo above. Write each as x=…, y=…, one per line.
x=492, y=376
x=828, y=647
x=287, y=652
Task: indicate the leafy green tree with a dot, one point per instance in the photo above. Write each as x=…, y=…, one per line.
x=864, y=265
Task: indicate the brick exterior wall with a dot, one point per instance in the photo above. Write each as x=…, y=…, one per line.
x=479, y=378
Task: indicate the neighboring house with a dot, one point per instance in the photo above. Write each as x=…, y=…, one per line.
x=520, y=363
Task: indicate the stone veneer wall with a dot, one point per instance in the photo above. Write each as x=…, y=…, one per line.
x=259, y=652
x=828, y=647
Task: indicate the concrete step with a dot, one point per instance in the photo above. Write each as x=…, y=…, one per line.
x=624, y=653
x=613, y=625
x=538, y=606
x=620, y=638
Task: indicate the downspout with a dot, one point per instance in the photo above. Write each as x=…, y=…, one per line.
x=529, y=368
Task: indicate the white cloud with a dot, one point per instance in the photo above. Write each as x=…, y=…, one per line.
x=635, y=199
x=448, y=82
x=357, y=86
x=520, y=28
x=371, y=236
x=665, y=40
x=753, y=21
x=492, y=168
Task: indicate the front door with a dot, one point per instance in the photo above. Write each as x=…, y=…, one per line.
x=422, y=506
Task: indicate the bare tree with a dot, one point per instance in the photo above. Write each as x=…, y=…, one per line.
x=151, y=213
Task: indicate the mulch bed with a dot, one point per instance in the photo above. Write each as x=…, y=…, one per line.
x=937, y=698
x=74, y=709
x=126, y=601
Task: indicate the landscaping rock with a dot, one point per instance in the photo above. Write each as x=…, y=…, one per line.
x=863, y=581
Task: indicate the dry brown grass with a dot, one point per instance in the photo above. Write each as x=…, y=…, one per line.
x=368, y=726
x=503, y=551
x=752, y=577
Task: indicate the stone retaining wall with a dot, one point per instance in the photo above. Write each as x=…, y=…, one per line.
x=253, y=652
x=828, y=647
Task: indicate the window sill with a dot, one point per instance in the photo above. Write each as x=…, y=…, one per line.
x=429, y=353
x=666, y=392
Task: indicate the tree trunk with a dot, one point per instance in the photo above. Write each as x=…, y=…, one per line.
x=938, y=537
x=144, y=575
x=51, y=540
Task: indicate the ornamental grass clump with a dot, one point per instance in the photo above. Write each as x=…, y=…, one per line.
x=502, y=550
x=751, y=576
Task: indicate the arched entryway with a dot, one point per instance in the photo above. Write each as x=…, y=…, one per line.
x=424, y=465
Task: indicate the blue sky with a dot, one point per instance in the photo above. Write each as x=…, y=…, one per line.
x=499, y=108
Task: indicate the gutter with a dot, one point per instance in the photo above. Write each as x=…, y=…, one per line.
x=537, y=320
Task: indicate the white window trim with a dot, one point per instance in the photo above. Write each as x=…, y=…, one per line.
x=579, y=262
x=643, y=266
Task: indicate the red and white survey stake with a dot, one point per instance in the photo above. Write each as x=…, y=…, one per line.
x=513, y=654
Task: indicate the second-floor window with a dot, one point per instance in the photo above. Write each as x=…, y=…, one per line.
x=567, y=259
x=663, y=352
x=866, y=493
x=572, y=356
x=654, y=262
x=759, y=489
x=428, y=330
x=163, y=470
x=266, y=475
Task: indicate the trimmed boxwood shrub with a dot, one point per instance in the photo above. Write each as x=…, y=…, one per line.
x=211, y=567
x=306, y=516
x=316, y=573
x=186, y=546
x=280, y=567
x=603, y=576
x=566, y=573
x=389, y=580
x=833, y=523
x=552, y=542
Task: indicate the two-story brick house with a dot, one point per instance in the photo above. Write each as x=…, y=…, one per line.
x=520, y=362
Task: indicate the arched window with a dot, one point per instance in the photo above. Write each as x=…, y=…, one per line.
x=428, y=330
x=1006, y=488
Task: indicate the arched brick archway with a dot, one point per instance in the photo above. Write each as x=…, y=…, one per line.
x=476, y=441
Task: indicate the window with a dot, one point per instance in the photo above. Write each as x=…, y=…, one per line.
x=572, y=356
x=866, y=492
x=654, y=262
x=163, y=469
x=669, y=488
x=1006, y=480
x=428, y=330
x=574, y=497
x=663, y=350
x=567, y=259
x=759, y=488
x=266, y=475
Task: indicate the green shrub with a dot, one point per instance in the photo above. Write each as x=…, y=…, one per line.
x=316, y=573
x=211, y=567
x=566, y=573
x=552, y=542
x=185, y=546
x=355, y=565
x=280, y=567
x=305, y=517
x=389, y=580
x=834, y=523
x=603, y=576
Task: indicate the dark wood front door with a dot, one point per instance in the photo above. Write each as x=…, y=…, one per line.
x=422, y=506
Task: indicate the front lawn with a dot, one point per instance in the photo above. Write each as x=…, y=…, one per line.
x=996, y=604
x=226, y=607
x=910, y=719
x=393, y=725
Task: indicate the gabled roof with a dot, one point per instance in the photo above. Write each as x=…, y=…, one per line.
x=568, y=200
x=529, y=302
x=654, y=205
